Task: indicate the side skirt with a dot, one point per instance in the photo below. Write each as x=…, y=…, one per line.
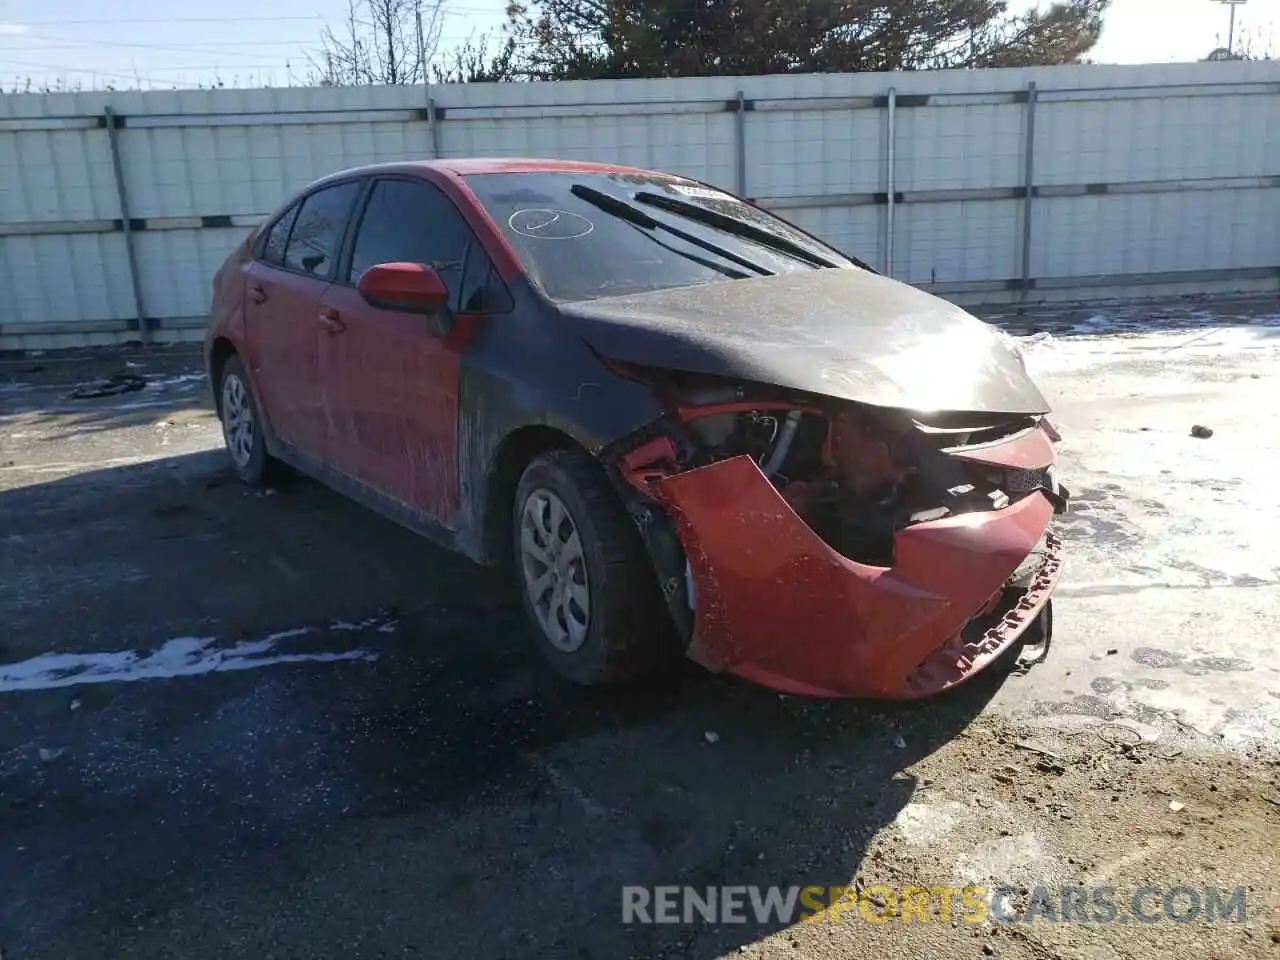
x=366, y=496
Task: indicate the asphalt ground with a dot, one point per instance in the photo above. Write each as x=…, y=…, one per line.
x=276, y=725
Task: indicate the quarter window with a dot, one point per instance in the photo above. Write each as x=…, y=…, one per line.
x=317, y=233
x=273, y=245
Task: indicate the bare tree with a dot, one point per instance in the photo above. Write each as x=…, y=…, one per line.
x=1255, y=45
x=381, y=42
x=57, y=85
x=473, y=63
x=1252, y=45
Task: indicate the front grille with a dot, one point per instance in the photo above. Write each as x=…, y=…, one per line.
x=1024, y=481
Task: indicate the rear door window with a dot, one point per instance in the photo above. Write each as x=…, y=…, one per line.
x=316, y=238
x=408, y=221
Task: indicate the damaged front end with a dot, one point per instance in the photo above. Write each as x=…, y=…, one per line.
x=829, y=548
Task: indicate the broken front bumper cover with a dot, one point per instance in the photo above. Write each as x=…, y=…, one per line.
x=776, y=605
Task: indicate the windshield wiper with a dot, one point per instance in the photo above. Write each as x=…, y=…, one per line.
x=637, y=217
x=731, y=272
x=739, y=228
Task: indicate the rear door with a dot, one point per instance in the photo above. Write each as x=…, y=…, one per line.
x=284, y=285
x=394, y=410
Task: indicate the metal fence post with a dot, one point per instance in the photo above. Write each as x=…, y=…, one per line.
x=740, y=144
x=433, y=128
x=1029, y=179
x=122, y=197
x=891, y=182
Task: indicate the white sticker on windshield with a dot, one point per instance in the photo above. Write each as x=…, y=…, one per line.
x=703, y=193
x=543, y=223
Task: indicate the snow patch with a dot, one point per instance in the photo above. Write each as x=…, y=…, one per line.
x=1020, y=860
x=380, y=623
x=1095, y=346
x=179, y=657
x=180, y=380
x=925, y=824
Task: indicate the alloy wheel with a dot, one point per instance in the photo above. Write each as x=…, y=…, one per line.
x=555, y=571
x=237, y=420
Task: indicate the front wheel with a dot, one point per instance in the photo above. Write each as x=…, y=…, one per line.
x=587, y=584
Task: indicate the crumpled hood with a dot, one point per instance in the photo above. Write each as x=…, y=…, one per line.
x=845, y=333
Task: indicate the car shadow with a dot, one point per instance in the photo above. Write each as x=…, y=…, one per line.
x=406, y=774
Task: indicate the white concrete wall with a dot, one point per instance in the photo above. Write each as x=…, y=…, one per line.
x=1147, y=180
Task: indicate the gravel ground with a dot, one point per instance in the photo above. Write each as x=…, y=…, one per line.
x=274, y=725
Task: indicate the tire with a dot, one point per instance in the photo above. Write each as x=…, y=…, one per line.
x=242, y=430
x=623, y=630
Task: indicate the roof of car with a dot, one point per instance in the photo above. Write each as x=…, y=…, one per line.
x=470, y=165
x=466, y=166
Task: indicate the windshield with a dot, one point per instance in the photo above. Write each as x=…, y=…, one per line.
x=587, y=235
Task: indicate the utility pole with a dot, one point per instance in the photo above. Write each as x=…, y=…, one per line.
x=422, y=46
x=1231, y=28
x=432, y=127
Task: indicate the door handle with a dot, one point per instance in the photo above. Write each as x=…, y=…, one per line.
x=331, y=321
x=257, y=294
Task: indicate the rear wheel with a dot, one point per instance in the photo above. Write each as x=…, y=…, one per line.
x=586, y=581
x=242, y=425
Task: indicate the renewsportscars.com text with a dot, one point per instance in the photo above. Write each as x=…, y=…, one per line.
x=918, y=904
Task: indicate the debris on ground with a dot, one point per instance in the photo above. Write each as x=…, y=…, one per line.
x=1201, y=432
x=115, y=384
x=49, y=755
x=1176, y=806
x=1048, y=754
x=712, y=736
x=900, y=743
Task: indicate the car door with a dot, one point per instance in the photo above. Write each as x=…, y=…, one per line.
x=394, y=411
x=283, y=288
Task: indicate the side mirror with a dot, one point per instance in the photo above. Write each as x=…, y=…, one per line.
x=406, y=287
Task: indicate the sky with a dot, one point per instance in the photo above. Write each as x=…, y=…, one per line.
x=246, y=43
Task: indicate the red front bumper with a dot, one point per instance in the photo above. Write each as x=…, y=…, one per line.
x=778, y=606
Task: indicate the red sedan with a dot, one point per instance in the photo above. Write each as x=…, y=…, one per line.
x=684, y=424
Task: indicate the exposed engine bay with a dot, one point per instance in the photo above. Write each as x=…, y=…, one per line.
x=856, y=474
x=829, y=548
